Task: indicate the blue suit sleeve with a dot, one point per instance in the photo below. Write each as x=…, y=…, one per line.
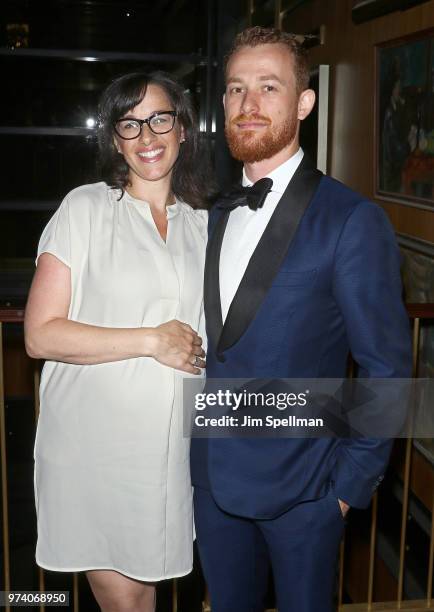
x=367, y=288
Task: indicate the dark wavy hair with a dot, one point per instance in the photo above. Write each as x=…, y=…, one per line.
x=192, y=180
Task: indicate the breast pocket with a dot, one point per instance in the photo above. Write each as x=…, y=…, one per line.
x=291, y=278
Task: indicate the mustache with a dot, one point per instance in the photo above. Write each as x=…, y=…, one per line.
x=246, y=118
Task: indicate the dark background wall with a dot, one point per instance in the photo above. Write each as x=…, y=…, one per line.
x=350, y=51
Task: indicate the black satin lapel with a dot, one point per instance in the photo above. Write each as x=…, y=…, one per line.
x=270, y=253
x=211, y=291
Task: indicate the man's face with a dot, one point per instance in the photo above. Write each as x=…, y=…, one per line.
x=261, y=102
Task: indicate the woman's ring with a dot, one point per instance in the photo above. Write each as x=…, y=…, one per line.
x=196, y=361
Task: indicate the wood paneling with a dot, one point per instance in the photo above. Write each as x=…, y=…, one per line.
x=350, y=51
x=18, y=369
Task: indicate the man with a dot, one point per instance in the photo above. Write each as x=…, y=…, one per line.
x=290, y=289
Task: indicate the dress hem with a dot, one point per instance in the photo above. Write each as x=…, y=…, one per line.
x=114, y=569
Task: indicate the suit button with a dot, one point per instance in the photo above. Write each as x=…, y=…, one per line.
x=221, y=358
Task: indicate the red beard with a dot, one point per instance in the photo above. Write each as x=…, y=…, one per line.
x=250, y=147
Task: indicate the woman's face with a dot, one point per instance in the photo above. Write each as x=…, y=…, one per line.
x=151, y=157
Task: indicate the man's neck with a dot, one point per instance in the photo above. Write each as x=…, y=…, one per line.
x=258, y=170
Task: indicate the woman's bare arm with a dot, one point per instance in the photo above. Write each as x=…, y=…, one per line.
x=50, y=335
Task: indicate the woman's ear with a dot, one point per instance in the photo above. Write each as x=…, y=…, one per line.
x=116, y=145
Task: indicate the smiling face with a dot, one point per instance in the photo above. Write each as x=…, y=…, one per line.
x=262, y=105
x=151, y=157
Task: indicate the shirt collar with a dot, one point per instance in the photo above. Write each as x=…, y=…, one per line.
x=280, y=175
x=172, y=209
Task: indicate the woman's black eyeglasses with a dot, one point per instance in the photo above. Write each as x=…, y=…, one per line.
x=160, y=122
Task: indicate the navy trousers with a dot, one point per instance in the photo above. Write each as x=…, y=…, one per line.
x=302, y=545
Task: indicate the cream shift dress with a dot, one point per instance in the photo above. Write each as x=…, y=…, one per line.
x=112, y=481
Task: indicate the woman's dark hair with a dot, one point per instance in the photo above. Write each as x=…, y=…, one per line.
x=191, y=178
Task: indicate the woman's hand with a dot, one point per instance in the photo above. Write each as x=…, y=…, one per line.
x=178, y=346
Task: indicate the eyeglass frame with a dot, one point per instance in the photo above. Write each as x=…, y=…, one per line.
x=148, y=120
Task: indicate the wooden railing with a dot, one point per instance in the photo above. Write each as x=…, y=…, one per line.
x=16, y=315
x=417, y=313
x=7, y=315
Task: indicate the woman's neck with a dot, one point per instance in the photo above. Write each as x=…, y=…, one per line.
x=158, y=194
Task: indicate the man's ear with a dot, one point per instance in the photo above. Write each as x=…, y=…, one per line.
x=306, y=102
x=224, y=101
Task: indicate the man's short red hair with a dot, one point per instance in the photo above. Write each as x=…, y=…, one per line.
x=252, y=37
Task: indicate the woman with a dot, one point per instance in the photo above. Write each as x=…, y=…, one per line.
x=114, y=308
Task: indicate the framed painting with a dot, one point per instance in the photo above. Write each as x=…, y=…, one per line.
x=404, y=130
x=418, y=280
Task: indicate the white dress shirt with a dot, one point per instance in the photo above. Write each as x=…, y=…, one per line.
x=245, y=228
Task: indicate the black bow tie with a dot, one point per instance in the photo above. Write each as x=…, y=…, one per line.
x=253, y=197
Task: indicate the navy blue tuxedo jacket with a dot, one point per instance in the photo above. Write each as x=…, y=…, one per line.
x=323, y=281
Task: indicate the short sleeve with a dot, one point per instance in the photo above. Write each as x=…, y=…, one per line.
x=55, y=238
